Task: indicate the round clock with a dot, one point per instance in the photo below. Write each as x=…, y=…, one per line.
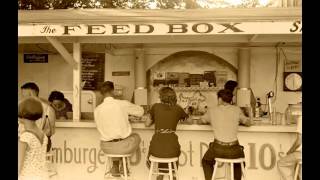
x=292, y=81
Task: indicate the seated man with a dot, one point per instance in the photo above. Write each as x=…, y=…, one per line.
x=225, y=119
x=47, y=122
x=111, y=118
x=287, y=164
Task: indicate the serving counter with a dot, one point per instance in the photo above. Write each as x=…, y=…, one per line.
x=77, y=152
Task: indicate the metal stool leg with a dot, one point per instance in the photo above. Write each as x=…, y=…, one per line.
x=232, y=172
x=243, y=171
x=215, y=170
x=150, y=171
x=125, y=168
x=296, y=173
x=170, y=171
x=106, y=165
x=176, y=170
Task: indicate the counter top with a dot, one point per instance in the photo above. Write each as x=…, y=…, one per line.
x=193, y=127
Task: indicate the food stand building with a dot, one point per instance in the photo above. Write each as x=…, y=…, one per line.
x=135, y=45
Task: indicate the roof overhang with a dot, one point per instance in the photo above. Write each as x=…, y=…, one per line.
x=228, y=25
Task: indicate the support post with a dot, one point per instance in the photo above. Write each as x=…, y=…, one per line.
x=77, y=82
x=245, y=97
x=140, y=92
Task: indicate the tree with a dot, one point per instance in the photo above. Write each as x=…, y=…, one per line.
x=144, y=4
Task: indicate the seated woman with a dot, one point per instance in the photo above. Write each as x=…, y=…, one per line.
x=60, y=104
x=165, y=116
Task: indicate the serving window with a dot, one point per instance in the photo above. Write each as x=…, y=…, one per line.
x=43, y=65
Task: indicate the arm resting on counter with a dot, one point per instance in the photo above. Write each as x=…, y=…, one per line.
x=148, y=122
x=244, y=120
x=133, y=109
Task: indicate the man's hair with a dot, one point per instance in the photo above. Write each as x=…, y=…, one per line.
x=230, y=85
x=30, y=108
x=106, y=87
x=32, y=86
x=226, y=95
x=56, y=95
x=168, y=96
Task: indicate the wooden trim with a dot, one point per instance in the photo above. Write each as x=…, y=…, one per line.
x=163, y=15
x=63, y=51
x=193, y=127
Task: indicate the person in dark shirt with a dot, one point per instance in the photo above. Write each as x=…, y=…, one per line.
x=165, y=116
x=60, y=104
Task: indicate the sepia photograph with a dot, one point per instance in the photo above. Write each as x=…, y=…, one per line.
x=159, y=90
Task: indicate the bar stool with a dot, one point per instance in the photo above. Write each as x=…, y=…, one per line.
x=124, y=161
x=231, y=162
x=297, y=170
x=156, y=160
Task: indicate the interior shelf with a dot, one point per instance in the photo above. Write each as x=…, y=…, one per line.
x=191, y=88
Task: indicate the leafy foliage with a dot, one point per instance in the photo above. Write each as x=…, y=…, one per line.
x=144, y=4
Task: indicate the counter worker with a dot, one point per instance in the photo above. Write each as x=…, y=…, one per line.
x=287, y=164
x=112, y=121
x=60, y=104
x=47, y=122
x=233, y=86
x=225, y=119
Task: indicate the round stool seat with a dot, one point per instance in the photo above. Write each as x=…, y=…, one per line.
x=163, y=160
x=118, y=155
x=239, y=160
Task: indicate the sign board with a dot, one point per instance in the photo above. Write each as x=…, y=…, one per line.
x=195, y=28
x=92, y=70
x=121, y=73
x=35, y=58
x=77, y=154
x=293, y=66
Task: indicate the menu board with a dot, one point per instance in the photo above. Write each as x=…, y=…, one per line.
x=92, y=70
x=35, y=58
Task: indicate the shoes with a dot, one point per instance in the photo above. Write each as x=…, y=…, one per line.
x=113, y=172
x=160, y=177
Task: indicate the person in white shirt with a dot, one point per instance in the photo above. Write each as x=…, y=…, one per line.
x=112, y=121
x=287, y=164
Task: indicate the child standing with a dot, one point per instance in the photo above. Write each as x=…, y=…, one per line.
x=32, y=143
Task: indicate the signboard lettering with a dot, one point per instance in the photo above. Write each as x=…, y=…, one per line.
x=231, y=27
x=297, y=26
x=262, y=156
x=35, y=58
x=69, y=28
x=95, y=27
x=48, y=29
x=139, y=26
x=189, y=28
